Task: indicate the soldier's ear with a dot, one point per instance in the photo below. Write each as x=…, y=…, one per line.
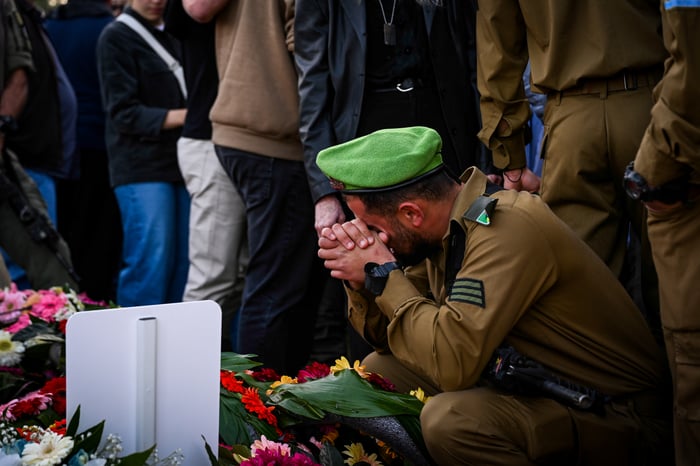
x=411, y=213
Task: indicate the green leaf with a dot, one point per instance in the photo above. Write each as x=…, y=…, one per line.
x=344, y=393
x=9, y=386
x=237, y=363
x=89, y=439
x=137, y=459
x=226, y=457
x=73, y=424
x=48, y=417
x=210, y=453
x=37, y=327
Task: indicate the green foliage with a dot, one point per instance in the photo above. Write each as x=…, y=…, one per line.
x=344, y=393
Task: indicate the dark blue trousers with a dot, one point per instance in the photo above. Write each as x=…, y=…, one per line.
x=279, y=302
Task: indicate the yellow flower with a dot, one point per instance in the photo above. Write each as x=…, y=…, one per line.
x=343, y=364
x=356, y=454
x=420, y=394
x=285, y=379
x=340, y=365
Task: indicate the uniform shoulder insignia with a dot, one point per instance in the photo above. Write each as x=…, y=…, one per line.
x=481, y=210
x=469, y=291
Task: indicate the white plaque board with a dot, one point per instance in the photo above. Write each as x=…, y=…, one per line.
x=151, y=373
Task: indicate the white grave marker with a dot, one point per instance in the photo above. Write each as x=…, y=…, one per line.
x=151, y=373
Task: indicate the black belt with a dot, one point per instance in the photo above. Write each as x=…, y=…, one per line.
x=405, y=85
x=626, y=80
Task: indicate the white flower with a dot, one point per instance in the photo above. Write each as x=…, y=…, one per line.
x=10, y=351
x=52, y=449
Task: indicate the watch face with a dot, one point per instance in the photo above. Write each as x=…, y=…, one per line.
x=634, y=183
x=633, y=189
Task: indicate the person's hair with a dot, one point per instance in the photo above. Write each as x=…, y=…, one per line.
x=432, y=188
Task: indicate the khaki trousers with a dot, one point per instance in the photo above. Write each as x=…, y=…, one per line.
x=588, y=141
x=675, y=241
x=482, y=426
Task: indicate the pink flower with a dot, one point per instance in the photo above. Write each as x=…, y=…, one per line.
x=271, y=447
x=88, y=300
x=265, y=452
x=29, y=405
x=11, y=303
x=313, y=371
x=49, y=304
x=22, y=322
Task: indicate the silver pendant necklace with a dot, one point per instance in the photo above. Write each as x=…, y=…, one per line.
x=389, y=26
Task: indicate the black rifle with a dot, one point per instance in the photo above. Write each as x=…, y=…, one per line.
x=36, y=224
x=513, y=372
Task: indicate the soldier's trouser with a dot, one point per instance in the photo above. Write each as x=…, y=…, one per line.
x=589, y=139
x=483, y=426
x=675, y=242
x=37, y=259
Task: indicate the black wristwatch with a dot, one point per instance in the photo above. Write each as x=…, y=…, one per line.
x=638, y=189
x=8, y=124
x=376, y=276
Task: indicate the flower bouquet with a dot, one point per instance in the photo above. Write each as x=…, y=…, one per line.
x=33, y=428
x=325, y=415
x=32, y=358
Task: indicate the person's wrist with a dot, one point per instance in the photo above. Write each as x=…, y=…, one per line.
x=376, y=276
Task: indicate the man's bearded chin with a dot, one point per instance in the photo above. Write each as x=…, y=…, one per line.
x=429, y=2
x=420, y=251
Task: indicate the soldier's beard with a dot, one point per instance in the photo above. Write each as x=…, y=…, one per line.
x=409, y=247
x=429, y=2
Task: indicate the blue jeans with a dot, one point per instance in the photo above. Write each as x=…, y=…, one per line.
x=155, y=220
x=279, y=302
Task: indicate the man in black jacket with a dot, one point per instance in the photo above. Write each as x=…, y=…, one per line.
x=373, y=64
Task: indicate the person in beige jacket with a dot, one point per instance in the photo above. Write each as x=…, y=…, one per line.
x=255, y=129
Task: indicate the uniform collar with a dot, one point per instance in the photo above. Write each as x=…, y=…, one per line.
x=474, y=185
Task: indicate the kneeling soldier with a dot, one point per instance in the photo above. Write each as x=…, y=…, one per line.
x=441, y=274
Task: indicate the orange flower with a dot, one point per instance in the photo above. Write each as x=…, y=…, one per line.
x=252, y=402
x=230, y=382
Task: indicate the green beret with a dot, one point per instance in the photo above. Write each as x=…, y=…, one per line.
x=383, y=160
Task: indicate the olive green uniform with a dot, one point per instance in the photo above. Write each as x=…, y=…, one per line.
x=671, y=149
x=598, y=71
x=536, y=286
x=42, y=266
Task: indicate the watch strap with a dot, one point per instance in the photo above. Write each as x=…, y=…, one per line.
x=376, y=276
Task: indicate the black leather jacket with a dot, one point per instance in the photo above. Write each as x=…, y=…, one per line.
x=330, y=46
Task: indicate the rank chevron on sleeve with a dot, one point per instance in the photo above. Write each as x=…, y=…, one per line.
x=468, y=290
